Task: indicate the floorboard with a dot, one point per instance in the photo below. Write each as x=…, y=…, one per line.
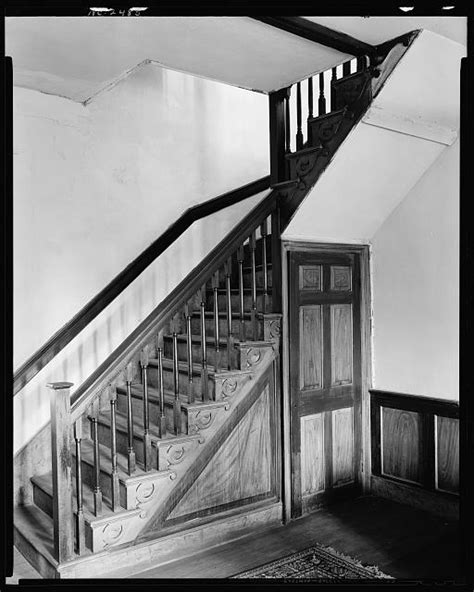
x=402, y=541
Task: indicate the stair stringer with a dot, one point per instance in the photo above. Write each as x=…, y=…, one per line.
x=259, y=357
x=308, y=164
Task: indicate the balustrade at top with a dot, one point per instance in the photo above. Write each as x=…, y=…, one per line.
x=320, y=101
x=183, y=345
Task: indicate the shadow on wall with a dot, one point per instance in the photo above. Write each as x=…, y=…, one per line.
x=103, y=335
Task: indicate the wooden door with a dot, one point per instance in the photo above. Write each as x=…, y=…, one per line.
x=325, y=377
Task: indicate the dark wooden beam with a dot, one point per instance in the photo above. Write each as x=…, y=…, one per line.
x=302, y=27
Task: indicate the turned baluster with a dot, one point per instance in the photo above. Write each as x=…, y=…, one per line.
x=132, y=465
x=215, y=286
x=361, y=63
x=287, y=123
x=63, y=533
x=80, y=524
x=346, y=68
x=97, y=490
x=204, y=372
x=147, y=451
x=253, y=312
x=162, y=418
x=240, y=260
x=264, y=233
x=310, y=108
x=176, y=401
x=114, y=478
x=333, y=97
x=322, y=98
x=189, y=344
x=230, y=337
x=299, y=132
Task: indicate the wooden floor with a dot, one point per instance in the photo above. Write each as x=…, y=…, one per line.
x=403, y=542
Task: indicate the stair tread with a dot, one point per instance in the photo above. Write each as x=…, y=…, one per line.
x=45, y=482
x=183, y=366
x=326, y=115
x=196, y=338
x=154, y=397
x=222, y=314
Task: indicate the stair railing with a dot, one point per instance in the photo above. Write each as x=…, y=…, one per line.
x=284, y=102
x=230, y=269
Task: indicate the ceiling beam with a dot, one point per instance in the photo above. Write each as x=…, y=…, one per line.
x=302, y=27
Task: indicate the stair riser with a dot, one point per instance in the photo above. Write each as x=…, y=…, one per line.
x=44, y=501
x=235, y=300
x=153, y=411
x=122, y=442
x=258, y=277
x=211, y=353
x=234, y=282
x=196, y=327
x=88, y=478
x=168, y=381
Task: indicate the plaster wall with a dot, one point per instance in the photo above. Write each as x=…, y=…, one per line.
x=94, y=185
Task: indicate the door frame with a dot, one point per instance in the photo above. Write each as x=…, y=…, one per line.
x=362, y=251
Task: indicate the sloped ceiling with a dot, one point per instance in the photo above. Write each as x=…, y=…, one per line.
x=76, y=57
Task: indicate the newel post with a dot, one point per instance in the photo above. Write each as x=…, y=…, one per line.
x=61, y=461
x=278, y=126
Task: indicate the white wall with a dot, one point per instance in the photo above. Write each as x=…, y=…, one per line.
x=416, y=287
x=95, y=185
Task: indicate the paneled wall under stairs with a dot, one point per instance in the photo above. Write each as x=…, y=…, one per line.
x=415, y=451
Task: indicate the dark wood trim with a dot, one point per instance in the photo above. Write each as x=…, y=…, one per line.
x=325, y=250
x=302, y=27
x=217, y=510
x=446, y=506
x=277, y=117
x=62, y=337
x=427, y=408
x=418, y=403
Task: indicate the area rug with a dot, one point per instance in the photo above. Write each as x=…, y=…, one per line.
x=317, y=562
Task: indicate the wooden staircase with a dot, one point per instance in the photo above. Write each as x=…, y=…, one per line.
x=174, y=442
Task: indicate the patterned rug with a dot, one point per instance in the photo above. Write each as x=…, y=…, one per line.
x=317, y=562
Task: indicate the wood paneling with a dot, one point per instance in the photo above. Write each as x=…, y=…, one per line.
x=415, y=440
x=342, y=446
x=310, y=277
x=447, y=454
x=401, y=444
x=241, y=468
x=312, y=454
x=341, y=344
x=311, y=347
x=341, y=278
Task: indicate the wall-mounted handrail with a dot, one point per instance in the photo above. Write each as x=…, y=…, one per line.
x=95, y=306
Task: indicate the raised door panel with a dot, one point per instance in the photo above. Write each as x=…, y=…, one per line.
x=447, y=454
x=311, y=348
x=342, y=446
x=400, y=439
x=312, y=454
x=341, y=344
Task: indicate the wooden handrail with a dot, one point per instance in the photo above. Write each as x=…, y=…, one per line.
x=95, y=306
x=149, y=327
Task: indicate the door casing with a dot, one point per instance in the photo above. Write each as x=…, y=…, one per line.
x=363, y=254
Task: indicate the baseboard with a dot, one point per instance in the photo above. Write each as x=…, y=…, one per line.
x=130, y=560
x=435, y=503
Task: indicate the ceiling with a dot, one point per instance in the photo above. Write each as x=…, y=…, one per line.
x=76, y=57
